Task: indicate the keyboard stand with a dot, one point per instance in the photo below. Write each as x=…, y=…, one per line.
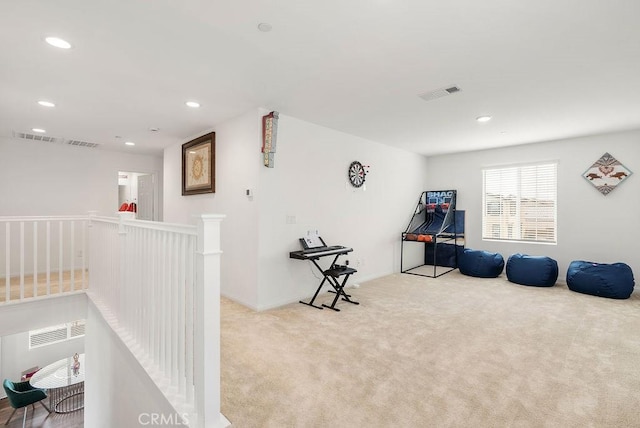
x=332, y=276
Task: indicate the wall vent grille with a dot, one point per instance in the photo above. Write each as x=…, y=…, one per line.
x=56, y=333
x=48, y=337
x=439, y=93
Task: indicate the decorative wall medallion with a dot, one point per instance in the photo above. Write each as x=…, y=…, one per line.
x=606, y=173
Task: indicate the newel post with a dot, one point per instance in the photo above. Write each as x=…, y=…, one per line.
x=207, y=322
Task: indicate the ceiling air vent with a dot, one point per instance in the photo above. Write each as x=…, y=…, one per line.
x=35, y=137
x=58, y=140
x=439, y=93
x=81, y=143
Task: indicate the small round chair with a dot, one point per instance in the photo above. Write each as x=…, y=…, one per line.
x=614, y=281
x=537, y=271
x=481, y=264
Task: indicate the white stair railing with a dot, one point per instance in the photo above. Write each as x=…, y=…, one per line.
x=158, y=286
x=42, y=256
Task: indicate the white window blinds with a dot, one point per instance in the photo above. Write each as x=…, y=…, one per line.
x=520, y=204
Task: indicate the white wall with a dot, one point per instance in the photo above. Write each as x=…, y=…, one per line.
x=40, y=313
x=591, y=226
x=236, y=170
x=38, y=178
x=309, y=182
x=118, y=391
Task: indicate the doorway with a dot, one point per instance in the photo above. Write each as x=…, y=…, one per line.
x=138, y=190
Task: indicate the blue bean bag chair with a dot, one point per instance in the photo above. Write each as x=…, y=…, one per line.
x=481, y=264
x=599, y=279
x=539, y=271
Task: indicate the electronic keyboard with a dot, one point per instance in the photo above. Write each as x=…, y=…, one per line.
x=313, y=253
x=321, y=249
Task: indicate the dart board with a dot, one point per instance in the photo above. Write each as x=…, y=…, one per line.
x=357, y=174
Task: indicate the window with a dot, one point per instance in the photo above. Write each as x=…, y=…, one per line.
x=519, y=203
x=56, y=333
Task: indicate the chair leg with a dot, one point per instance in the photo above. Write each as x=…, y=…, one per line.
x=12, y=413
x=45, y=406
x=24, y=419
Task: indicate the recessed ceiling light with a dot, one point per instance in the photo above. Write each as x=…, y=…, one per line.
x=58, y=42
x=38, y=130
x=192, y=104
x=264, y=27
x=483, y=118
x=130, y=143
x=46, y=103
x=154, y=129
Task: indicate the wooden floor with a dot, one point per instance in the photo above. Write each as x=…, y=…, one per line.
x=56, y=284
x=40, y=418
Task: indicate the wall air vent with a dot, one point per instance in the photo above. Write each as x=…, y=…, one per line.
x=439, y=93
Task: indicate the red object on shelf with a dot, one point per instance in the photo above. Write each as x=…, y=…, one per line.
x=133, y=207
x=124, y=207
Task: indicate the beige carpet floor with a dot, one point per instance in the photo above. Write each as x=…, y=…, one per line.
x=454, y=351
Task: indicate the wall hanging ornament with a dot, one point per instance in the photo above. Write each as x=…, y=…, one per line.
x=269, y=134
x=606, y=173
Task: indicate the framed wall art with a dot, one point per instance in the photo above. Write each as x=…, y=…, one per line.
x=606, y=174
x=198, y=165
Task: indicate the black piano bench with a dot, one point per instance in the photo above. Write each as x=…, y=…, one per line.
x=332, y=275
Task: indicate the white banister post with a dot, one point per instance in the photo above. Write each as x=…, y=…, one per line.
x=92, y=238
x=121, y=299
x=207, y=322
